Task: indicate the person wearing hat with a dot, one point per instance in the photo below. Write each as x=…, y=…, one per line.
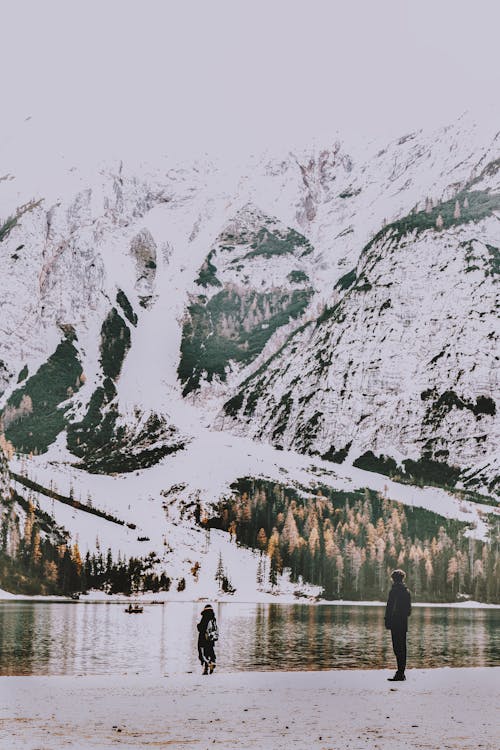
x=207, y=635
x=397, y=611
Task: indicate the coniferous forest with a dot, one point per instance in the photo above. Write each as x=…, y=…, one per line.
x=348, y=543
x=345, y=542
x=36, y=558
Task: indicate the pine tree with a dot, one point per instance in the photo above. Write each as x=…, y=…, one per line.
x=219, y=573
x=109, y=563
x=77, y=559
x=290, y=534
x=274, y=567
x=452, y=574
x=36, y=552
x=259, y=577
x=261, y=540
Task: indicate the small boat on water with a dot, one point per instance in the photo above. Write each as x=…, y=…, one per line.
x=134, y=609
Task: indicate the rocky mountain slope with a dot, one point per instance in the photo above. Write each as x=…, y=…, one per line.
x=404, y=362
x=336, y=303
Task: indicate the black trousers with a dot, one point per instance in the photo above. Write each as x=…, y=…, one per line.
x=206, y=652
x=399, y=646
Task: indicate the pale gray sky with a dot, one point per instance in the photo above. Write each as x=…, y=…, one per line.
x=118, y=77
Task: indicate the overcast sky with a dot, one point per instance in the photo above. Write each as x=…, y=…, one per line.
x=116, y=77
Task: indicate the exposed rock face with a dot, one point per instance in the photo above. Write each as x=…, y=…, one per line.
x=143, y=250
x=252, y=282
x=391, y=366
x=4, y=478
x=336, y=303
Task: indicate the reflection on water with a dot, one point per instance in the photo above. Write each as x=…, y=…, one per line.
x=81, y=638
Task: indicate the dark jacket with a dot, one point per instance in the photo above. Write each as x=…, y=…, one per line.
x=398, y=608
x=206, y=616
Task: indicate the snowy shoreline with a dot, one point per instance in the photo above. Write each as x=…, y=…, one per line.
x=353, y=709
x=98, y=597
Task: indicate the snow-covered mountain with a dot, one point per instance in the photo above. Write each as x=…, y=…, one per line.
x=339, y=303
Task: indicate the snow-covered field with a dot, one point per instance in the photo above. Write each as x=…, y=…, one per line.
x=353, y=710
x=179, y=543
x=205, y=470
x=152, y=499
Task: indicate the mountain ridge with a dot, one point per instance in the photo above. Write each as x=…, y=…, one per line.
x=302, y=317
x=160, y=219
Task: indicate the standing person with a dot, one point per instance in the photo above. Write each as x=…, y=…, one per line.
x=208, y=633
x=397, y=611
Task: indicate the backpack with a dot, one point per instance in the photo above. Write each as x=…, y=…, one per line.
x=212, y=631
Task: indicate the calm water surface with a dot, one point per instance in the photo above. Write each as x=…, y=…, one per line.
x=90, y=639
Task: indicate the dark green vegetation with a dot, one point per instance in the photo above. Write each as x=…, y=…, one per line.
x=125, y=305
x=115, y=343
x=122, y=576
x=425, y=471
x=34, y=556
x=232, y=322
x=234, y=325
x=441, y=404
x=297, y=277
x=254, y=388
x=107, y=447
x=337, y=456
x=348, y=542
x=381, y=464
x=267, y=243
x=347, y=280
x=468, y=206
x=7, y=226
x=350, y=193
x=493, y=260
x=233, y=406
x=35, y=413
x=37, y=558
x=477, y=259
x=335, y=314
x=473, y=206
x=208, y=273
x=96, y=429
x=103, y=444
x=256, y=381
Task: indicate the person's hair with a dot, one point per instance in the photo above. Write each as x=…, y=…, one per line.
x=398, y=576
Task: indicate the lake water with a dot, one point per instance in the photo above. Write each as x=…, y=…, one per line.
x=100, y=638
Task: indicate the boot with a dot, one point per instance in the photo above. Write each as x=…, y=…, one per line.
x=205, y=668
x=398, y=677
x=212, y=667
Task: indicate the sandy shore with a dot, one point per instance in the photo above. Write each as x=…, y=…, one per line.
x=440, y=708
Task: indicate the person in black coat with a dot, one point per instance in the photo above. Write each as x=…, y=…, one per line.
x=397, y=611
x=207, y=635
